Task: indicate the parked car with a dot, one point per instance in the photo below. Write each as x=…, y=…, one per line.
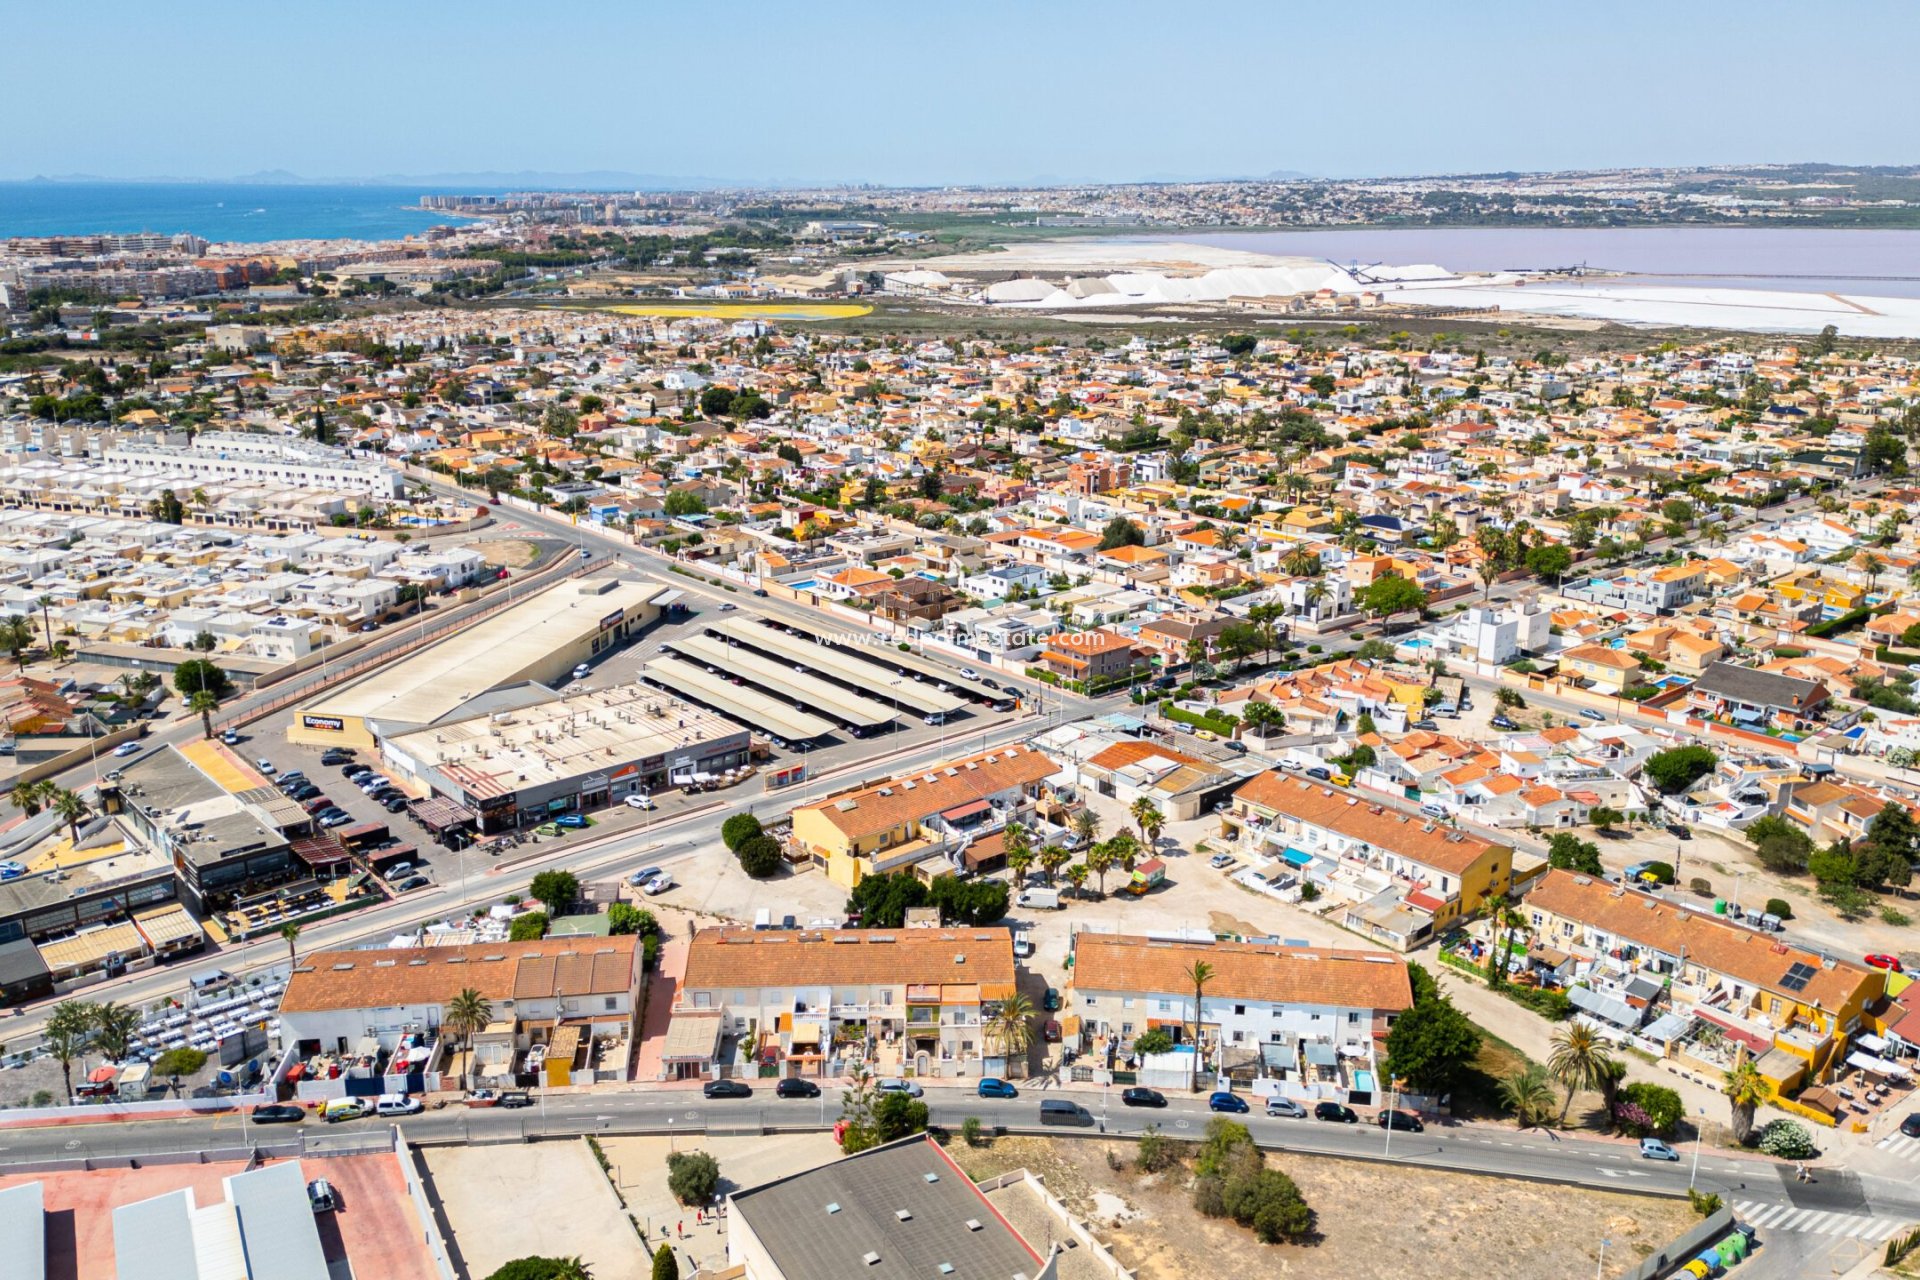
x=1501, y=722
x=1285, y=1108
x=483, y=1098
x=992, y=1088
x=1139, y=1096
x=1879, y=960
x=1317, y=772
x=231, y=737
x=335, y=755
x=640, y=877
x=572, y=820
x=127, y=749
x=658, y=885
x=1679, y=832
x=1234, y=745
x=1911, y=1125
x=1428, y=725
x=897, y=1084
x=1335, y=1112
x=334, y=1110
x=513, y=1099
x=410, y=884
x=639, y=802
x=395, y=805
x=318, y=803
x=726, y=1089
x=278, y=1113
x=320, y=1197
x=397, y=1104
x=266, y=766
x=289, y=778
x=1060, y=1111
x=1400, y=1120
x=1224, y=1101
x=336, y=820
x=1654, y=1149
x=1591, y=713
x=794, y=1087
x=1220, y=860
x=1051, y=1000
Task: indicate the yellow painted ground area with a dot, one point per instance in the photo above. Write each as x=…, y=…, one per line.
x=63, y=854
x=745, y=310
x=222, y=765
x=220, y=936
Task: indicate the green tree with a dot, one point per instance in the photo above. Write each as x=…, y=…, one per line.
x=1678, y=768
x=113, y=1029
x=203, y=704
x=1390, y=595
x=1199, y=974
x=176, y=1064
x=198, y=675
x=290, y=934
x=1570, y=853
x=1528, y=1093
x=1550, y=560
x=1010, y=1025
x=1605, y=818
x=1646, y=1109
x=684, y=502
x=1147, y=817
x=738, y=829
x=71, y=810
x=1122, y=532
x=16, y=636
x=760, y=857
x=69, y=1029
x=895, y=1115
x=1579, y=1061
x=693, y=1177
x=534, y=1267
x=1432, y=1046
x=466, y=1016
x=1746, y=1089
x=530, y=927
x=1153, y=1040
x=665, y=1267
x=556, y=890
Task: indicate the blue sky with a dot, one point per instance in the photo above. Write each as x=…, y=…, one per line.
x=934, y=91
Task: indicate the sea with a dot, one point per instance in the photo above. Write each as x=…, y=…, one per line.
x=214, y=211
x=1881, y=263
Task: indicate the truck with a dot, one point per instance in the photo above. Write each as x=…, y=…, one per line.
x=1038, y=899
x=1147, y=876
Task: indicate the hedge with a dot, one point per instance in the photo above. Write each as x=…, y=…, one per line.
x=1222, y=724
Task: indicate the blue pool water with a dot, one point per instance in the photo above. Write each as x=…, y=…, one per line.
x=1363, y=1081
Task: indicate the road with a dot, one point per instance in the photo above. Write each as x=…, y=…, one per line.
x=1839, y=1203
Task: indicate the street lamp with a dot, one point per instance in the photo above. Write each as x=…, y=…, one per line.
x=1600, y=1267
x=1699, y=1127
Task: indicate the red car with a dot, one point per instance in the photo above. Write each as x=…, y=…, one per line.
x=1879, y=961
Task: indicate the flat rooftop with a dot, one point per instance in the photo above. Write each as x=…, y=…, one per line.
x=434, y=682
x=568, y=737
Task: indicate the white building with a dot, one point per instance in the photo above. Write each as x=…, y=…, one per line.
x=237, y=458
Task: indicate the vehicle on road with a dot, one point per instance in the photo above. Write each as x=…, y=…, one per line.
x=1590, y=713
x=639, y=802
x=1285, y=1108
x=1880, y=960
x=1060, y=1111
x=514, y=1099
x=726, y=1089
x=728, y=607
x=1335, y=1112
x=898, y=1084
x=990, y=1087
x=968, y=673
x=335, y=755
x=1224, y=1101
x=1022, y=944
x=320, y=1197
x=127, y=749
x=1428, y=725
x=1139, y=1096
x=794, y=1087
x=1405, y=1120
x=409, y=884
x=11, y=870
x=1654, y=1149
x=278, y=1113
x=1051, y=1000
x=230, y=738
x=266, y=766
x=1234, y=745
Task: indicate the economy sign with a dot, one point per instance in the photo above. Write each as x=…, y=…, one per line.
x=333, y=724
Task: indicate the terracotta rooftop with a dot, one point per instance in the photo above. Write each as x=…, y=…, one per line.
x=1243, y=970
x=500, y=971
x=725, y=958
x=1340, y=810
x=911, y=797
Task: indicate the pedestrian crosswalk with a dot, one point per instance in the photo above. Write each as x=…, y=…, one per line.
x=1786, y=1217
x=1900, y=1145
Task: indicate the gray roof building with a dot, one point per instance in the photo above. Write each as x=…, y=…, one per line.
x=903, y=1211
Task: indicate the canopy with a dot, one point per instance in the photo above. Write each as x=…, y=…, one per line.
x=1871, y=1043
x=1877, y=1066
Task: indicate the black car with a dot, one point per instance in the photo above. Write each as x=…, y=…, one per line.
x=305, y=791
x=514, y=1098
x=1238, y=748
x=336, y=756
x=395, y=805
x=279, y=1114
x=1335, y=1112
x=1679, y=832
x=726, y=1089
x=1403, y=1120
x=1141, y=1097
x=355, y=772
x=792, y=1087
x=1911, y=1125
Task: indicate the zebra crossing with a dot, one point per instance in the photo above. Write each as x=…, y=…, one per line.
x=1899, y=1145
x=1786, y=1217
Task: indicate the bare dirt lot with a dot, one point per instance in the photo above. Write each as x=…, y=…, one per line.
x=508, y=553
x=1491, y=1229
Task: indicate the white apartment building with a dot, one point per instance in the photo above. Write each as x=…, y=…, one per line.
x=236, y=458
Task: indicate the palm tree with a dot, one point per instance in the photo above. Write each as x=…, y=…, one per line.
x=1052, y=858
x=1012, y=1025
x=25, y=797
x=1019, y=850
x=71, y=809
x=1086, y=825
x=1746, y=1089
x=203, y=704
x=46, y=619
x=290, y=934
x=572, y=1269
x=113, y=1028
x=65, y=1036
x=1147, y=816
x=1505, y=920
x=1100, y=860
x=467, y=1015
x=1528, y=1093
x=16, y=637
x=1199, y=973
x=1579, y=1061
x=1077, y=876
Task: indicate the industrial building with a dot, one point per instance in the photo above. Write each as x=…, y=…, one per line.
x=538, y=641
x=264, y=1230
x=520, y=767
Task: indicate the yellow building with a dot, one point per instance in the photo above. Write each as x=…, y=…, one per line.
x=890, y=825
x=1609, y=670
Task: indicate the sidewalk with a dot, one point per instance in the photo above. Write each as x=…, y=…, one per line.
x=662, y=987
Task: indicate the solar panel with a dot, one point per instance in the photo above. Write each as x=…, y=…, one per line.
x=1798, y=976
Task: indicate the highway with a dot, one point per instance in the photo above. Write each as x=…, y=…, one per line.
x=1851, y=1203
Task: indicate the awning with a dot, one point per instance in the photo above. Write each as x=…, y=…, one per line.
x=1604, y=1007
x=1871, y=1043
x=1667, y=1027
x=972, y=809
x=692, y=1037
x=805, y=1033
x=1877, y=1066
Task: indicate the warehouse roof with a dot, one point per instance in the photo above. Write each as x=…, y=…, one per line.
x=426, y=686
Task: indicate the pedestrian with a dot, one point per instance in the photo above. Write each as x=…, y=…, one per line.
x=681, y=1228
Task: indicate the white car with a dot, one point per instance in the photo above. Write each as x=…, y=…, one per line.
x=267, y=767
x=968, y=673
x=639, y=802
x=126, y=749
x=897, y=1085
x=658, y=885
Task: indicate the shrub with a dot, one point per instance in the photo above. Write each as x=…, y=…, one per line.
x=760, y=857
x=1660, y=871
x=1156, y=1040
x=1702, y=887
x=665, y=1265
x=1157, y=1151
x=1787, y=1140
x=692, y=1176
x=971, y=1132
x=1895, y=917
x=1647, y=1110
x=537, y=1268
x=530, y=927
x=739, y=829
x=1705, y=1203
x=1780, y=907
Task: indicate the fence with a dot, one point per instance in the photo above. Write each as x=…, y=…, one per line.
x=106, y=1112
x=1689, y=1244
x=434, y=1227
